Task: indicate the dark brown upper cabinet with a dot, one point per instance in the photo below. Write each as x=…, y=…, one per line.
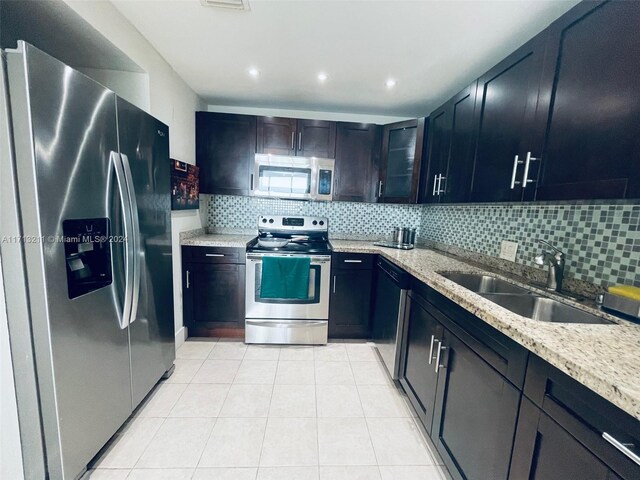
x=225, y=152
x=288, y=136
x=357, y=152
x=506, y=102
x=588, y=119
x=402, y=146
x=452, y=136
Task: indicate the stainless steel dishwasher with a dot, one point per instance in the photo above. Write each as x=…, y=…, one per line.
x=392, y=286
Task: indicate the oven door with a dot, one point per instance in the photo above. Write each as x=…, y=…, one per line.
x=314, y=307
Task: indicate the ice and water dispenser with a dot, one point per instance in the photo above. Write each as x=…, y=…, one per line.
x=87, y=249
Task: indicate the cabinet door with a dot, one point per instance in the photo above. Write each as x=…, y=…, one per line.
x=419, y=379
x=475, y=414
x=214, y=296
x=439, y=144
x=401, y=161
x=277, y=135
x=225, y=152
x=592, y=112
x=350, y=303
x=543, y=450
x=316, y=138
x=454, y=184
x=357, y=145
x=506, y=100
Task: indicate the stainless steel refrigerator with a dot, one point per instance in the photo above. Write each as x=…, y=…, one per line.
x=87, y=187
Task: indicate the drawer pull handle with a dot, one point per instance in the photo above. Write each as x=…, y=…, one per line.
x=433, y=338
x=214, y=254
x=622, y=447
x=353, y=261
x=440, y=349
x=188, y=283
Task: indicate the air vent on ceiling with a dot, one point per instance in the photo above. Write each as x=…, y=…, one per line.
x=233, y=4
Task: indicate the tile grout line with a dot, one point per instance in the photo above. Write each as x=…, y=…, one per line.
x=364, y=416
x=221, y=406
x=266, y=423
x=315, y=391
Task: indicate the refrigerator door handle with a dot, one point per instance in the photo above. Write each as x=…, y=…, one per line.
x=123, y=192
x=135, y=235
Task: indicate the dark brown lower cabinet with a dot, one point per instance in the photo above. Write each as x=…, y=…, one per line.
x=419, y=378
x=475, y=413
x=350, y=301
x=567, y=431
x=213, y=291
x=545, y=451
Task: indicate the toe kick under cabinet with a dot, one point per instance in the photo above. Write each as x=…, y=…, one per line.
x=213, y=287
x=494, y=410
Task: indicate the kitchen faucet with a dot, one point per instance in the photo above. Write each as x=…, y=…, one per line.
x=555, y=261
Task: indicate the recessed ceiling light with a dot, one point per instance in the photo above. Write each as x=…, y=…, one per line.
x=390, y=83
x=322, y=76
x=254, y=72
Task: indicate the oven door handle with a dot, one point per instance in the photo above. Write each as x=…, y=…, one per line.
x=257, y=257
x=288, y=324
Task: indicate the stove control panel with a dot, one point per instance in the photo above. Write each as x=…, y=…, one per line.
x=292, y=223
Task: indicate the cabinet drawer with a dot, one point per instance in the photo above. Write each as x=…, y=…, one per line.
x=585, y=415
x=213, y=255
x=353, y=261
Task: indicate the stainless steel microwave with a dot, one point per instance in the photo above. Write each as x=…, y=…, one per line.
x=301, y=178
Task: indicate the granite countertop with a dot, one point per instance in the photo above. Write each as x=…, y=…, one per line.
x=217, y=240
x=605, y=358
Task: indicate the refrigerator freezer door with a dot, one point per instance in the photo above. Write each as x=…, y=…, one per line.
x=64, y=128
x=144, y=145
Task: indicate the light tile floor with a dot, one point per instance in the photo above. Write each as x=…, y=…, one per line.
x=237, y=412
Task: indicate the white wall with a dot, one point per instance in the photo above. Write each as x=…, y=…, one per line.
x=307, y=114
x=170, y=100
x=10, y=450
x=132, y=86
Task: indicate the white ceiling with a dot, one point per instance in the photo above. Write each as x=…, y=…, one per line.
x=432, y=48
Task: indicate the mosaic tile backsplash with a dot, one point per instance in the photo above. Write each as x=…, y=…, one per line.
x=346, y=219
x=601, y=241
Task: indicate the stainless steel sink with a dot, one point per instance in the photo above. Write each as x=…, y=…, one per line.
x=522, y=300
x=483, y=283
x=544, y=309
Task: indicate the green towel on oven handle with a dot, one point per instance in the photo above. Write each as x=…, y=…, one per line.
x=285, y=277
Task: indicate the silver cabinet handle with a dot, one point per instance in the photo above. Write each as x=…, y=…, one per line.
x=379, y=188
x=440, y=189
x=293, y=140
x=188, y=283
x=622, y=447
x=525, y=177
x=353, y=261
x=334, y=284
x=299, y=141
x=435, y=183
x=214, y=254
x=440, y=349
x=433, y=338
x=251, y=182
x=516, y=162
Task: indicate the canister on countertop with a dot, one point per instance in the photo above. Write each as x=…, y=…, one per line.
x=406, y=235
x=398, y=235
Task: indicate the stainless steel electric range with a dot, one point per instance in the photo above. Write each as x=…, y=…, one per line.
x=289, y=320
